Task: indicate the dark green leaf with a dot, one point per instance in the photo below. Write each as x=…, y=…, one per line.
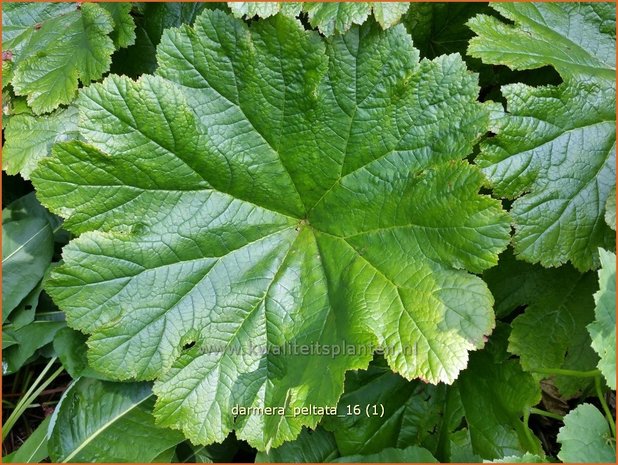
x=29, y=339
x=70, y=348
x=412, y=411
x=27, y=249
x=310, y=447
x=412, y=454
x=495, y=392
x=98, y=421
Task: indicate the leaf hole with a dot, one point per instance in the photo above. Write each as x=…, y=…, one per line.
x=188, y=345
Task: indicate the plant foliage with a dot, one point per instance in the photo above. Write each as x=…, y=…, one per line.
x=254, y=211
x=555, y=149
x=402, y=212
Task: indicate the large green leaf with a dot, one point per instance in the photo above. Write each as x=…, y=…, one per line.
x=55, y=46
x=329, y=18
x=555, y=148
x=258, y=192
x=27, y=249
x=98, y=421
x=586, y=438
x=603, y=329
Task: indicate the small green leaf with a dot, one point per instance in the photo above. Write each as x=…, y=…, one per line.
x=29, y=139
x=98, y=421
x=55, y=48
x=336, y=17
x=551, y=332
x=264, y=9
x=123, y=34
x=387, y=14
x=151, y=20
x=585, y=437
x=603, y=329
x=29, y=339
x=19, y=21
x=27, y=249
x=24, y=312
x=578, y=39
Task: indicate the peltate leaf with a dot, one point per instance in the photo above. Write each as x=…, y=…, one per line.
x=603, y=329
x=264, y=9
x=585, y=437
x=555, y=148
x=54, y=47
x=98, y=421
x=257, y=194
